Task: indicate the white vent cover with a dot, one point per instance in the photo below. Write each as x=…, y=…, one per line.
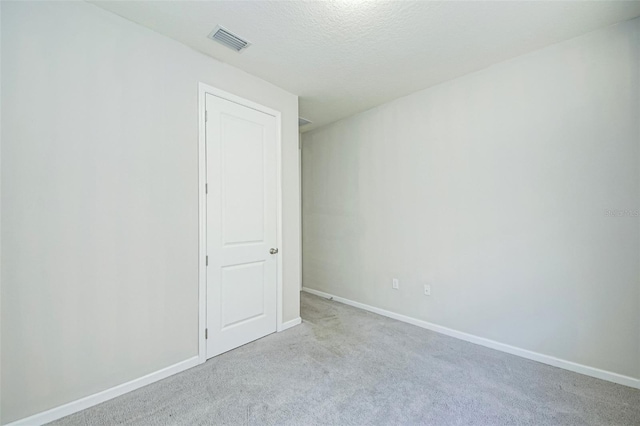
x=229, y=39
x=303, y=121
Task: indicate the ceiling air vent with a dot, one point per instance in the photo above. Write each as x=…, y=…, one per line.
x=229, y=39
x=303, y=121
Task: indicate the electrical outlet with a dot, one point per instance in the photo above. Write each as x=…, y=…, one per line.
x=427, y=289
x=395, y=283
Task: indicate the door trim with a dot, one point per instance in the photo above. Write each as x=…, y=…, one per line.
x=203, y=90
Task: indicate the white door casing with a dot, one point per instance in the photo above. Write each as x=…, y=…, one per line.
x=241, y=223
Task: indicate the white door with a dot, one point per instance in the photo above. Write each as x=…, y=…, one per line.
x=241, y=224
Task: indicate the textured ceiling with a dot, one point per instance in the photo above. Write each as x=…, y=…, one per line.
x=343, y=57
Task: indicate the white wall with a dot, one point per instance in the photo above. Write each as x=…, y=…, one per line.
x=493, y=188
x=1, y=213
x=100, y=202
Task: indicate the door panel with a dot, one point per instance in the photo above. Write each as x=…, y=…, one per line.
x=243, y=182
x=243, y=293
x=241, y=224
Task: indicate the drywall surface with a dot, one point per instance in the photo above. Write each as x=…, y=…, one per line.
x=1, y=212
x=495, y=189
x=100, y=200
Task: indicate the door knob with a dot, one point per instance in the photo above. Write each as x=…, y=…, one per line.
x=273, y=251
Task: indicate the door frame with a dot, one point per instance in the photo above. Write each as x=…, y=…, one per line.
x=203, y=90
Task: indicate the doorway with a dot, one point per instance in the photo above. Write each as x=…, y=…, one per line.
x=241, y=221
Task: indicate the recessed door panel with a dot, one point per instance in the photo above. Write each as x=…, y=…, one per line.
x=242, y=293
x=243, y=180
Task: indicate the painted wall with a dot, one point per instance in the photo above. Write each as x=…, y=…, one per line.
x=494, y=189
x=100, y=200
x=1, y=213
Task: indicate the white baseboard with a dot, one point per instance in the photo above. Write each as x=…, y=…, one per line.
x=97, y=398
x=524, y=353
x=289, y=324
